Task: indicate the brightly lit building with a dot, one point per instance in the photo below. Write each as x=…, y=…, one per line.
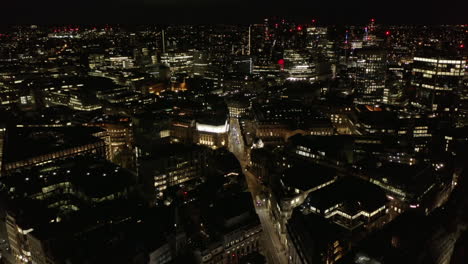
x=317, y=37
x=120, y=62
x=73, y=99
x=370, y=76
x=437, y=79
x=298, y=66
x=211, y=132
x=319, y=44
x=178, y=62
x=238, y=108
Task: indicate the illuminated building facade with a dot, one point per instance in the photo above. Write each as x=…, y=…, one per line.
x=299, y=66
x=179, y=63
x=394, y=85
x=72, y=99
x=370, y=76
x=173, y=165
x=319, y=44
x=211, y=133
x=238, y=107
x=437, y=80
x=208, y=131
x=181, y=130
x=119, y=139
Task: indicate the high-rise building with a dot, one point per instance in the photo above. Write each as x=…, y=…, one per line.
x=299, y=66
x=370, y=76
x=394, y=84
x=179, y=63
x=2, y=142
x=437, y=78
x=318, y=42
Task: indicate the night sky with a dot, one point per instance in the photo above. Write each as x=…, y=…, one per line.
x=232, y=11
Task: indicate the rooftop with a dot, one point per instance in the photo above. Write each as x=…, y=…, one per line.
x=305, y=176
x=40, y=141
x=353, y=194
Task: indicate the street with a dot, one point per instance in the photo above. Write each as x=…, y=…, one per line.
x=275, y=254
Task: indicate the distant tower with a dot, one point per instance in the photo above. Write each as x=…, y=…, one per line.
x=250, y=39
x=2, y=143
x=372, y=25
x=163, y=41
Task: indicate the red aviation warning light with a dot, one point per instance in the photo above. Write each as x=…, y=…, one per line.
x=387, y=33
x=313, y=20
x=299, y=28
x=281, y=63
x=462, y=46
x=372, y=20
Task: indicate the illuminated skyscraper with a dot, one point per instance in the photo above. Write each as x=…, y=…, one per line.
x=298, y=66
x=437, y=79
x=370, y=76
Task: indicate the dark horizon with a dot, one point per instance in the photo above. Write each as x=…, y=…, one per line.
x=231, y=12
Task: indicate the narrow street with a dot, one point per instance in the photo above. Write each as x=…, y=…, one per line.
x=273, y=250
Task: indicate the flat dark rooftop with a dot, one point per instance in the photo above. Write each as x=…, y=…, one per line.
x=414, y=178
x=378, y=118
x=94, y=177
x=355, y=195
x=337, y=147
x=24, y=143
x=305, y=176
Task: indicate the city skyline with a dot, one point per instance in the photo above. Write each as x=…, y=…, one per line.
x=271, y=140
